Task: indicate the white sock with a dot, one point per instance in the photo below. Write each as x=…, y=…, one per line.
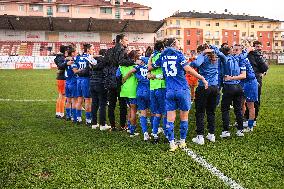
x=88, y=121
x=61, y=114
x=79, y=119
x=57, y=113
x=182, y=141
x=172, y=143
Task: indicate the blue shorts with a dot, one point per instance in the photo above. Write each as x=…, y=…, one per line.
x=157, y=101
x=178, y=100
x=83, y=87
x=71, y=89
x=131, y=101
x=251, y=90
x=143, y=99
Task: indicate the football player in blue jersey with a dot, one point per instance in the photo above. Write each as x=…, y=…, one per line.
x=71, y=85
x=233, y=71
x=174, y=65
x=250, y=88
x=142, y=92
x=82, y=69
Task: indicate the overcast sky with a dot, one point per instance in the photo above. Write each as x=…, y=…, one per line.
x=164, y=8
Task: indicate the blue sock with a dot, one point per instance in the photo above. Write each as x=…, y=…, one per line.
x=74, y=115
x=183, y=129
x=68, y=112
x=152, y=120
x=128, y=124
x=143, y=123
x=170, y=131
x=132, y=129
x=79, y=113
x=88, y=115
x=250, y=123
x=164, y=126
x=156, y=123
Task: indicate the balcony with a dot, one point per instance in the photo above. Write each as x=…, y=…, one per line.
x=278, y=38
x=172, y=26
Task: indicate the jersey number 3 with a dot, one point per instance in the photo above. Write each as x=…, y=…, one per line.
x=170, y=68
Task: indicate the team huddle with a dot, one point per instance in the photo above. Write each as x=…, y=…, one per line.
x=153, y=85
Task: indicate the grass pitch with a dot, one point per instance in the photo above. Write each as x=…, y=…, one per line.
x=39, y=151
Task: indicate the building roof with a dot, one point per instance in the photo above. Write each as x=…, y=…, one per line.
x=225, y=16
x=86, y=3
x=77, y=24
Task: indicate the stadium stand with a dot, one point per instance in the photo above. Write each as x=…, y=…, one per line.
x=53, y=24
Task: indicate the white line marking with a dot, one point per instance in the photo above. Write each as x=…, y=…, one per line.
x=228, y=181
x=26, y=100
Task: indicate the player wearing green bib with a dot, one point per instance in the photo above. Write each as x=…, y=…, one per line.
x=128, y=90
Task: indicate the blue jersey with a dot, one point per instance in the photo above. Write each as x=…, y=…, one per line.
x=172, y=62
x=69, y=73
x=250, y=73
x=233, y=66
x=141, y=75
x=82, y=63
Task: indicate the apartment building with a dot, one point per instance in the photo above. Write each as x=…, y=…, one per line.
x=103, y=9
x=194, y=28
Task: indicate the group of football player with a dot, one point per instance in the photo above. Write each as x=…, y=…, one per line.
x=152, y=86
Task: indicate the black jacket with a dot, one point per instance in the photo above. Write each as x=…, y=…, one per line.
x=117, y=56
x=97, y=73
x=61, y=66
x=258, y=62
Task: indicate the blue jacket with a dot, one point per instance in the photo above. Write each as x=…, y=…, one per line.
x=208, y=69
x=233, y=66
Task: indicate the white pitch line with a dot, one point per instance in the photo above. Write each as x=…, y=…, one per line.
x=228, y=181
x=26, y=100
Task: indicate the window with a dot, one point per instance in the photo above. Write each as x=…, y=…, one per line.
x=245, y=25
x=36, y=8
x=252, y=25
x=198, y=32
x=217, y=43
x=49, y=11
x=188, y=32
x=207, y=23
x=197, y=23
x=208, y=42
x=217, y=24
x=187, y=42
x=268, y=35
x=235, y=24
x=217, y=33
x=177, y=32
x=77, y=10
x=129, y=11
x=235, y=34
x=269, y=26
x=260, y=26
x=63, y=8
x=276, y=44
x=268, y=44
x=226, y=34
x=197, y=42
x=189, y=23
x=106, y=10
x=207, y=33
x=142, y=12
x=2, y=7
x=244, y=34
x=177, y=22
x=21, y=8
x=251, y=34
x=260, y=34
